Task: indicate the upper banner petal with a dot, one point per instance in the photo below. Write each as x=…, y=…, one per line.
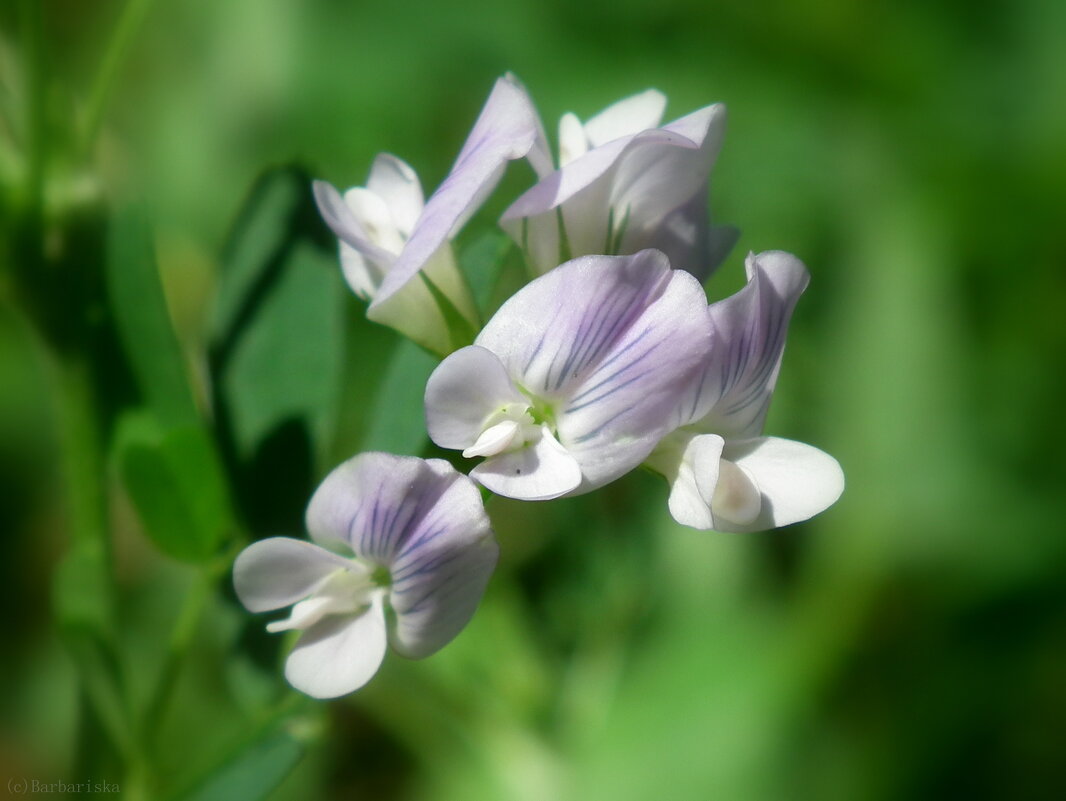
x=508, y=128
x=749, y=330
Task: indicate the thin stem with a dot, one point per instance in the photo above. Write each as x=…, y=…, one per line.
x=133, y=15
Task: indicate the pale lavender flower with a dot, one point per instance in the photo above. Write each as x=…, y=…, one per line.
x=574, y=380
x=396, y=251
x=723, y=474
x=624, y=184
x=421, y=552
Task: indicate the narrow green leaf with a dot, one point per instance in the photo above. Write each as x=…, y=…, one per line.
x=175, y=481
x=142, y=319
x=254, y=772
x=398, y=420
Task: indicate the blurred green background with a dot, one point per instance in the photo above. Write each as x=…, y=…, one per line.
x=910, y=643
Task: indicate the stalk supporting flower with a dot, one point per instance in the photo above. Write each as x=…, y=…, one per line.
x=723, y=474
x=625, y=184
x=575, y=379
x=396, y=251
x=418, y=553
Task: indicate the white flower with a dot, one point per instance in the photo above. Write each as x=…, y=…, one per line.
x=575, y=379
x=723, y=475
x=624, y=184
x=421, y=548
x=396, y=252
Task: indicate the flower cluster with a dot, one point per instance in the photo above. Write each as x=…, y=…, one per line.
x=609, y=358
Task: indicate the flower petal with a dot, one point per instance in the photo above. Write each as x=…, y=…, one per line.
x=279, y=571
x=380, y=504
x=339, y=654
x=508, y=128
x=616, y=195
x=538, y=472
x=631, y=115
x=342, y=221
x=749, y=330
x=690, y=465
x=462, y=392
x=394, y=180
x=796, y=481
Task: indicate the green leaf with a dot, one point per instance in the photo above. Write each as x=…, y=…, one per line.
x=254, y=772
x=279, y=323
x=398, y=420
x=483, y=264
x=175, y=481
x=142, y=319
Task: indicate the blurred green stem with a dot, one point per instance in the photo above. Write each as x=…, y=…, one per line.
x=82, y=453
x=133, y=15
x=181, y=638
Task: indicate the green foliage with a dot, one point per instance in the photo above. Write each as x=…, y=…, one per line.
x=176, y=483
x=143, y=321
x=254, y=772
x=397, y=419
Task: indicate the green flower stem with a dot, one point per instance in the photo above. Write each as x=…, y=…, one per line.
x=83, y=460
x=133, y=15
x=181, y=638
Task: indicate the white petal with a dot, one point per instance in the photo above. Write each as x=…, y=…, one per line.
x=339, y=217
x=494, y=440
x=463, y=392
x=797, y=481
x=375, y=218
x=397, y=184
x=736, y=499
x=507, y=128
x=749, y=335
x=572, y=139
x=339, y=654
x=654, y=178
x=539, y=472
x=690, y=465
x=632, y=115
x=279, y=571
x=361, y=274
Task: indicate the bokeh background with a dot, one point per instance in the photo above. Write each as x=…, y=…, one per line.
x=910, y=643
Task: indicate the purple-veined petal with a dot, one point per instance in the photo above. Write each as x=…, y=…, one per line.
x=340, y=653
x=343, y=223
x=796, y=481
x=387, y=506
x=463, y=392
x=615, y=196
x=538, y=472
x=394, y=180
x=440, y=571
x=639, y=112
x=508, y=128
x=652, y=181
x=749, y=330
x=608, y=343
x=279, y=571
